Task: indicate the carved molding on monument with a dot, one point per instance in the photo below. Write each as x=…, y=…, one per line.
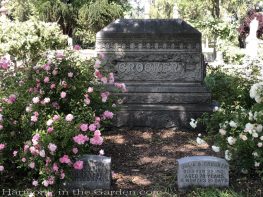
x=147, y=45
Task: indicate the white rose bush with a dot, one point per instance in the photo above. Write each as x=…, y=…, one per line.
x=237, y=132
x=52, y=113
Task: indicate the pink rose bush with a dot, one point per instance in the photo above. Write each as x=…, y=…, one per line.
x=56, y=114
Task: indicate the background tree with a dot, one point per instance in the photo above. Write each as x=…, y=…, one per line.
x=162, y=9
x=71, y=15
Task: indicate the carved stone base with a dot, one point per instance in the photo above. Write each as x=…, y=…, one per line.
x=162, y=105
x=160, y=116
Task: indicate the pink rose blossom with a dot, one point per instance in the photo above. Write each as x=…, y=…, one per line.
x=23, y=159
x=84, y=127
x=111, y=78
x=45, y=183
x=63, y=94
x=96, y=140
x=32, y=165
x=52, y=86
x=26, y=147
x=78, y=165
x=50, y=129
x=76, y=47
x=70, y=74
x=11, y=99
x=64, y=84
x=59, y=54
x=104, y=96
x=108, y=115
x=2, y=168
x=104, y=80
x=49, y=194
x=35, y=183
x=2, y=146
x=42, y=153
x=69, y=117
x=121, y=86
x=55, y=72
x=92, y=127
x=46, y=67
x=65, y=159
x=87, y=101
x=80, y=139
x=90, y=89
x=75, y=150
x=15, y=153
x=35, y=100
x=46, y=100
x=97, y=64
x=34, y=118
x=51, y=180
x=46, y=79
x=33, y=150
x=98, y=74
x=62, y=174
x=49, y=122
x=36, y=137
x=1, y=127
x=56, y=117
x=4, y=63
x=55, y=167
x=52, y=147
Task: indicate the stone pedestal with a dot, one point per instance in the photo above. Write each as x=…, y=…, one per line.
x=161, y=63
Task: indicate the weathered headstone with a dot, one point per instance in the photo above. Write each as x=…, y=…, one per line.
x=161, y=63
x=96, y=174
x=202, y=171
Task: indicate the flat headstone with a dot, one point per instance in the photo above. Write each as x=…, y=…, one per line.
x=202, y=171
x=96, y=174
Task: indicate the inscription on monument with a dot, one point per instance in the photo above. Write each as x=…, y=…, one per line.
x=202, y=171
x=96, y=173
x=157, y=71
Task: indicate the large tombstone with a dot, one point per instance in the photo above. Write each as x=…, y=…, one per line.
x=161, y=63
x=202, y=171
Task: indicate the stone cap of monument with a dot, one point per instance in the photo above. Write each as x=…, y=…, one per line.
x=148, y=28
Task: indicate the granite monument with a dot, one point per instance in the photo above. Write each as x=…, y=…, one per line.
x=161, y=63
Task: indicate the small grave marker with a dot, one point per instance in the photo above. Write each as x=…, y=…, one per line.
x=202, y=171
x=96, y=173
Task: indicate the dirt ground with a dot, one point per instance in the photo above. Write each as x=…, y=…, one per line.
x=146, y=159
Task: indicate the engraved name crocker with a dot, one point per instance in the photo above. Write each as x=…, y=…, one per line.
x=151, y=67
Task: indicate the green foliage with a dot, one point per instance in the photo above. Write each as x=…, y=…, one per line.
x=27, y=41
x=229, y=88
x=162, y=9
x=93, y=17
x=76, y=18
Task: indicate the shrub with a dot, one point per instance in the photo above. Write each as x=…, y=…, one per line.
x=28, y=41
x=235, y=127
x=51, y=114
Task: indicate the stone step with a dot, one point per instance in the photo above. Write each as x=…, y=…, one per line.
x=167, y=107
x=160, y=116
x=164, y=87
x=164, y=98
